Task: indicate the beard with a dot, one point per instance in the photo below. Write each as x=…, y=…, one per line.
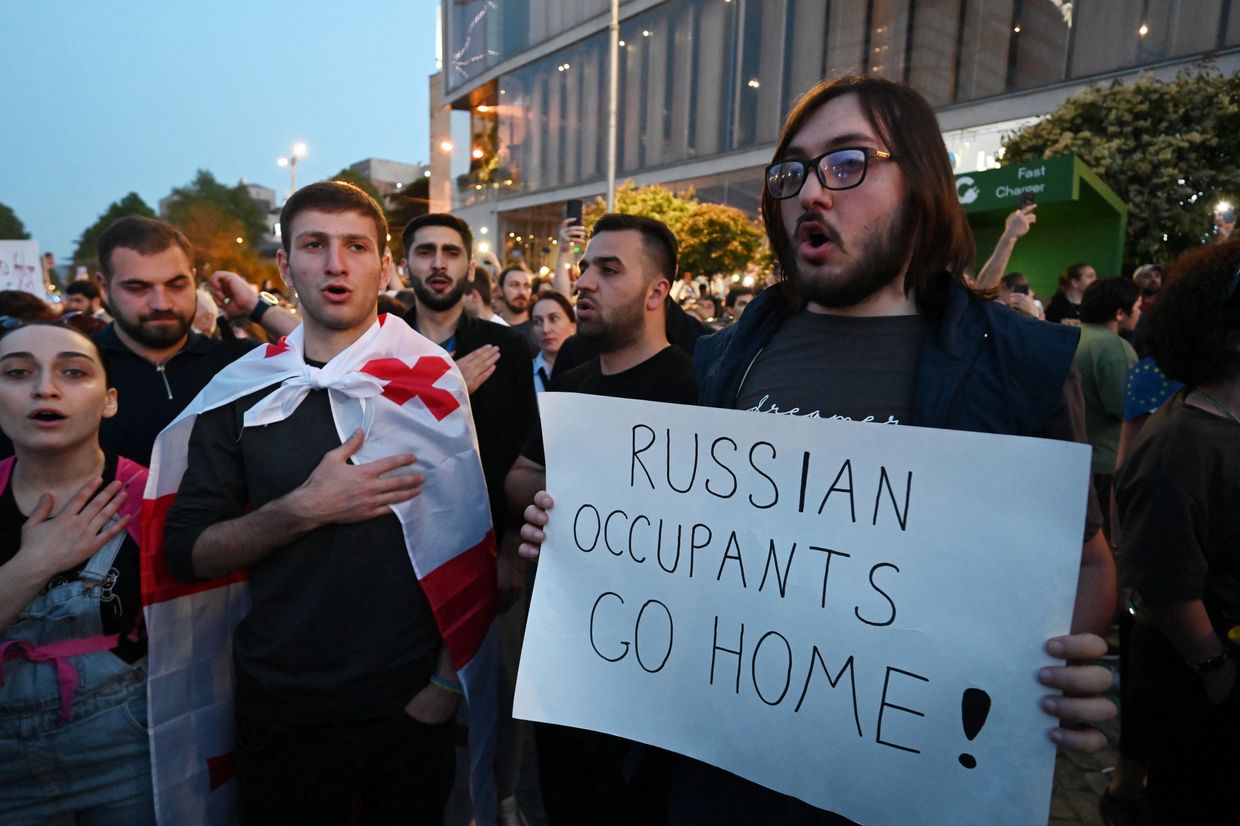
x=620, y=329
x=879, y=260
x=520, y=305
x=439, y=302
x=155, y=336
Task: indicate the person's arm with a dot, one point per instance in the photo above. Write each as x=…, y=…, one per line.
x=1112, y=377
x=570, y=245
x=438, y=699
x=1015, y=228
x=1095, y=588
x=336, y=493
x=51, y=544
x=525, y=479
x=237, y=299
x=1187, y=626
x=1096, y=584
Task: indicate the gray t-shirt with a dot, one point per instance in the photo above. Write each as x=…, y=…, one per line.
x=838, y=367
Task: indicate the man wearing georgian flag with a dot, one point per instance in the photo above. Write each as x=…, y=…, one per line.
x=319, y=546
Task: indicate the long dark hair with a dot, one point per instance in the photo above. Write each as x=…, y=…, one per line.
x=941, y=240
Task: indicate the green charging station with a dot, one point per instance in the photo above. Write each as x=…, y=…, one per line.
x=1079, y=218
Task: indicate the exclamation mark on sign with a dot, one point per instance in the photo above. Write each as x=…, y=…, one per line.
x=974, y=707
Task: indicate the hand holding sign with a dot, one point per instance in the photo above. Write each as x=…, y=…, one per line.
x=814, y=605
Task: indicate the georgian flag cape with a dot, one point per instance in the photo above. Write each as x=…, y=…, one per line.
x=409, y=397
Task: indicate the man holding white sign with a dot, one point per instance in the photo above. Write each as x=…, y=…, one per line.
x=874, y=323
x=626, y=273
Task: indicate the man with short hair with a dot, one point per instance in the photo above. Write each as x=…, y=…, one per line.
x=736, y=301
x=627, y=270
x=478, y=297
x=345, y=685
x=496, y=365
x=158, y=363
x=516, y=289
x=1110, y=306
x=84, y=297
x=874, y=322
x=494, y=361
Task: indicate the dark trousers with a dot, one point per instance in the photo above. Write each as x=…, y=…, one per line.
x=703, y=795
x=390, y=770
x=594, y=778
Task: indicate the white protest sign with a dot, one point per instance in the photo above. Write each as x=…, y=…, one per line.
x=20, y=267
x=822, y=607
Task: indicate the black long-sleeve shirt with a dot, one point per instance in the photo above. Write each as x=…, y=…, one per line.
x=339, y=628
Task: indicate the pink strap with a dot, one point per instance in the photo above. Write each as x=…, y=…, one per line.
x=57, y=652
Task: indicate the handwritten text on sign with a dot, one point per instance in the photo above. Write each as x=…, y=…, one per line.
x=20, y=267
x=847, y=613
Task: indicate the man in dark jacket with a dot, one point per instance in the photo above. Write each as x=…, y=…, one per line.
x=156, y=360
x=874, y=322
x=493, y=358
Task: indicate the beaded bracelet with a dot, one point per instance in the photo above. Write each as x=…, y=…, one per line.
x=451, y=688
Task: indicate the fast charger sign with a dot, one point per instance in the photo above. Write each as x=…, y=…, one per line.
x=850, y=613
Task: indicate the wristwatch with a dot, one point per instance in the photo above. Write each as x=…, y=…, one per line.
x=265, y=300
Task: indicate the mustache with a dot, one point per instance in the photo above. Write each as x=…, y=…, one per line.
x=816, y=216
x=162, y=315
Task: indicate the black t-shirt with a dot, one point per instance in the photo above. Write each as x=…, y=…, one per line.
x=1178, y=492
x=667, y=376
x=838, y=367
x=1061, y=307
x=865, y=369
x=339, y=627
x=120, y=606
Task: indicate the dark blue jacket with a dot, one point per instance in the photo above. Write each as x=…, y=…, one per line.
x=982, y=367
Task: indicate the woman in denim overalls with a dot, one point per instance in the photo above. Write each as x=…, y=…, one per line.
x=73, y=738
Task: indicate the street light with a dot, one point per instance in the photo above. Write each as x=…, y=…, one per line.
x=299, y=151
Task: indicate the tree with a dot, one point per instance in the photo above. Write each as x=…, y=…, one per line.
x=235, y=201
x=714, y=238
x=412, y=201
x=11, y=227
x=86, y=254
x=350, y=176
x=1169, y=149
x=224, y=224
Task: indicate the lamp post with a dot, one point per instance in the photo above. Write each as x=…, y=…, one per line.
x=299, y=150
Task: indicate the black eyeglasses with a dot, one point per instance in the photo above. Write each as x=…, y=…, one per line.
x=838, y=169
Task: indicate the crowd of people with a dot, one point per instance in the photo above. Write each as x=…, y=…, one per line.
x=304, y=442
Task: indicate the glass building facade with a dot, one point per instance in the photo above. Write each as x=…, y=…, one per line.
x=706, y=78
